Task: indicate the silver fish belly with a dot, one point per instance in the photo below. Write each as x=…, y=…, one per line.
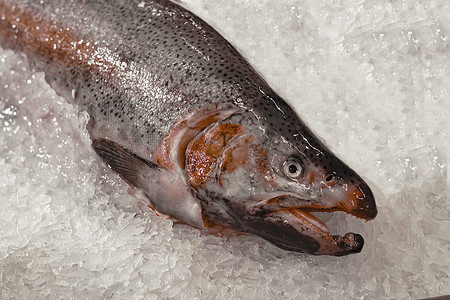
x=183, y=117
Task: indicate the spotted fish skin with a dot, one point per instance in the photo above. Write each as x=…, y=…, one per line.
x=148, y=40
x=157, y=80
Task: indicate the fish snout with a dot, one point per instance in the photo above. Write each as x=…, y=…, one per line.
x=360, y=202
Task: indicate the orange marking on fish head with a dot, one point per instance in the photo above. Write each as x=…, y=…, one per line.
x=204, y=152
x=311, y=178
x=244, y=152
x=223, y=149
x=236, y=155
x=171, y=152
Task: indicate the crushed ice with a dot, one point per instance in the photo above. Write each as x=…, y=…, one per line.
x=370, y=77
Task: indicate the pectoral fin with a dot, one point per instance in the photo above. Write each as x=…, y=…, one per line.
x=165, y=189
x=122, y=161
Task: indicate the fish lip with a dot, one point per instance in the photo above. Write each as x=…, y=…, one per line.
x=350, y=243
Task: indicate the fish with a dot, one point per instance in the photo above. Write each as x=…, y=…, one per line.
x=187, y=122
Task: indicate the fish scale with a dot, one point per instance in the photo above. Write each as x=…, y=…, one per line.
x=155, y=80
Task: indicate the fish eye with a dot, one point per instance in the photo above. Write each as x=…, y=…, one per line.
x=292, y=168
x=331, y=179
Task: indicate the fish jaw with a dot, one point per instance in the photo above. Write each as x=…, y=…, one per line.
x=356, y=200
x=309, y=226
x=304, y=225
x=289, y=208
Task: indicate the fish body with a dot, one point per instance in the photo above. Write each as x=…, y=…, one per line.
x=185, y=119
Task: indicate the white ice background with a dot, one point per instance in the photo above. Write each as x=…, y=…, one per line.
x=372, y=78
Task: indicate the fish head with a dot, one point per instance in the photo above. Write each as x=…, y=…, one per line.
x=268, y=183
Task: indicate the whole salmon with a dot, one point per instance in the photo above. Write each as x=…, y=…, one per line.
x=181, y=116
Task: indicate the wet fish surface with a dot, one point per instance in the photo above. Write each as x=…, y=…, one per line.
x=183, y=118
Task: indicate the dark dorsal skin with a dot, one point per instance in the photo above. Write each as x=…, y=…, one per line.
x=153, y=77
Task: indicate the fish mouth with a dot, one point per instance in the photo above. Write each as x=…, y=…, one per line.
x=359, y=202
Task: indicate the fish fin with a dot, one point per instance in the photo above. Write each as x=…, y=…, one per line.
x=122, y=161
